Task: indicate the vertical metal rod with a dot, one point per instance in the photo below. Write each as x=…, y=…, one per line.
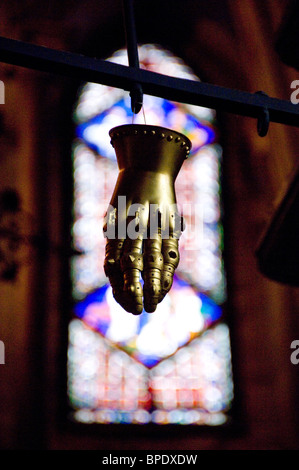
x=136, y=92
x=130, y=33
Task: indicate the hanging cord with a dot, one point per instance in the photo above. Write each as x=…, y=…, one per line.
x=143, y=112
x=136, y=92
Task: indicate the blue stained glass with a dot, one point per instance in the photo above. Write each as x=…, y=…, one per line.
x=92, y=134
x=210, y=311
x=167, y=106
x=97, y=310
x=94, y=298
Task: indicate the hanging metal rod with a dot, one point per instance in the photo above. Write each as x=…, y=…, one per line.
x=197, y=93
x=133, y=59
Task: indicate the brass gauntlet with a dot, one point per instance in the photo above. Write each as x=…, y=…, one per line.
x=142, y=224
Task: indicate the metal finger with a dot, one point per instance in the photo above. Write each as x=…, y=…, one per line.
x=171, y=257
x=112, y=267
x=153, y=265
x=176, y=224
x=131, y=264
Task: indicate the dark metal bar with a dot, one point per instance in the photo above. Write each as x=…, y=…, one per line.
x=130, y=33
x=132, y=48
x=174, y=89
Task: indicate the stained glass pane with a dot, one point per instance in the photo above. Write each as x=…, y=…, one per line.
x=173, y=366
x=190, y=387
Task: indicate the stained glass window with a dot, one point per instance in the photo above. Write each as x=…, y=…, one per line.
x=172, y=366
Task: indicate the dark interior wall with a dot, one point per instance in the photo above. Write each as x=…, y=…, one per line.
x=226, y=43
